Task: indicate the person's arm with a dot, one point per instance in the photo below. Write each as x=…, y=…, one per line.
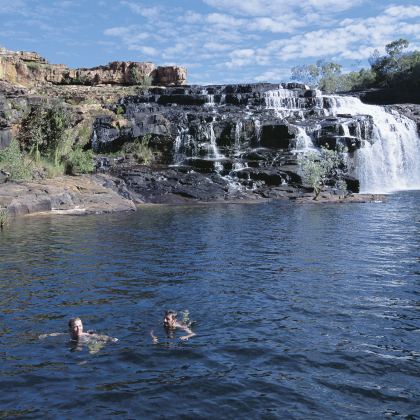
x=189, y=332
x=42, y=336
x=154, y=338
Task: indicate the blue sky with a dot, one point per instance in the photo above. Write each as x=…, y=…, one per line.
x=219, y=41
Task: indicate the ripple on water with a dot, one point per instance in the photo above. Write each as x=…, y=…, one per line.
x=301, y=312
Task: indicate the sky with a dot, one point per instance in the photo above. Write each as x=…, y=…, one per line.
x=218, y=41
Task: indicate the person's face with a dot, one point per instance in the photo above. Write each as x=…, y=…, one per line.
x=169, y=321
x=76, y=329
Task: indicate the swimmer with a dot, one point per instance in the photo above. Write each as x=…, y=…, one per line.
x=170, y=323
x=77, y=334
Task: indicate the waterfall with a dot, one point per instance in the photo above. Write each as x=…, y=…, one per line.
x=391, y=161
x=213, y=149
x=257, y=125
x=209, y=98
x=238, y=133
x=284, y=102
x=303, y=140
x=95, y=140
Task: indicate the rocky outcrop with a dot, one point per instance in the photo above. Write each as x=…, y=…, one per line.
x=391, y=95
x=28, y=69
x=247, y=134
x=411, y=111
x=71, y=195
x=200, y=143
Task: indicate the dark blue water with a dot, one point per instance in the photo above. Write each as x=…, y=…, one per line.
x=301, y=311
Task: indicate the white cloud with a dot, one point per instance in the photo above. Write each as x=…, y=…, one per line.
x=351, y=39
x=227, y=21
x=273, y=75
x=251, y=37
x=272, y=8
x=141, y=9
x=144, y=49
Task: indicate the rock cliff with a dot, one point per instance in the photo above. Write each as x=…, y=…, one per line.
x=28, y=69
x=176, y=144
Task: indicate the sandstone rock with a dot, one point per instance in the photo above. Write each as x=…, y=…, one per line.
x=81, y=195
x=29, y=69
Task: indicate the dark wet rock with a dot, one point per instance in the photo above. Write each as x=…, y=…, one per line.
x=4, y=176
x=340, y=142
x=172, y=186
x=353, y=184
x=411, y=111
x=389, y=96
x=276, y=135
x=271, y=177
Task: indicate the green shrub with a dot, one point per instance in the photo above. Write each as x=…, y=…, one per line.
x=49, y=169
x=32, y=65
x=139, y=78
x=317, y=169
x=43, y=131
x=12, y=161
x=140, y=149
x=119, y=110
x=79, y=161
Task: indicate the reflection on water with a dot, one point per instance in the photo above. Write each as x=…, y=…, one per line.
x=300, y=311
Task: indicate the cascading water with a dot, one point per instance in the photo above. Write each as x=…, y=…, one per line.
x=238, y=133
x=260, y=128
x=391, y=161
x=284, y=102
x=303, y=140
x=213, y=149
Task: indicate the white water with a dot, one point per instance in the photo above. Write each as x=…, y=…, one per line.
x=392, y=161
x=238, y=133
x=213, y=149
x=285, y=102
x=257, y=125
x=209, y=98
x=303, y=140
x=182, y=142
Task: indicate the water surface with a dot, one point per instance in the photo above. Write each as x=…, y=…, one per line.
x=301, y=311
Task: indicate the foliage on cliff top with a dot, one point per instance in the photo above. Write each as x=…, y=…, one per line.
x=396, y=68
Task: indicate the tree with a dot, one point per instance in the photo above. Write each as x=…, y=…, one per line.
x=324, y=75
x=318, y=169
x=394, y=49
x=388, y=66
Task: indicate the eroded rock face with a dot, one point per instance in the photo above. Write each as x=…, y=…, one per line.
x=249, y=134
x=74, y=195
x=28, y=69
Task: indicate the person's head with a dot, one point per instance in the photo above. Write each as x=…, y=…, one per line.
x=75, y=328
x=170, y=319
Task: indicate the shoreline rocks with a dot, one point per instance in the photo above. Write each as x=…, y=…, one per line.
x=102, y=193
x=83, y=194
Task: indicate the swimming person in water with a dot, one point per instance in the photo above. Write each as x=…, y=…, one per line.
x=171, y=324
x=77, y=335
x=76, y=332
